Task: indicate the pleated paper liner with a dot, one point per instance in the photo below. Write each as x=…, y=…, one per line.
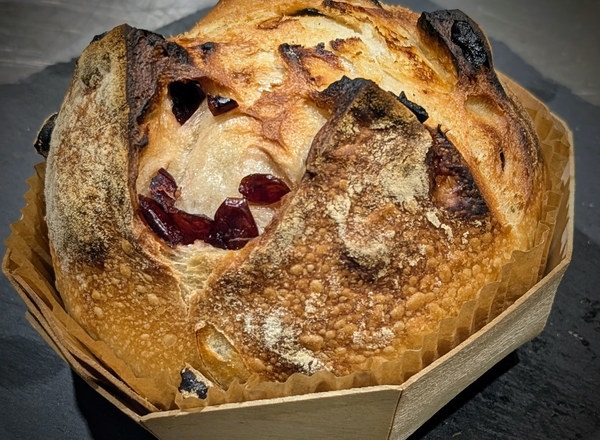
x=28, y=266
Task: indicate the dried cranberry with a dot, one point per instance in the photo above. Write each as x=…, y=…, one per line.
x=163, y=189
x=174, y=226
x=192, y=227
x=263, y=189
x=187, y=97
x=160, y=221
x=219, y=104
x=452, y=185
x=234, y=225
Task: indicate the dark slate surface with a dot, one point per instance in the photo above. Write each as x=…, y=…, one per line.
x=549, y=389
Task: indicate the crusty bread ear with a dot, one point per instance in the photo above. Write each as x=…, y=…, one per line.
x=109, y=271
x=503, y=164
x=406, y=178
x=365, y=164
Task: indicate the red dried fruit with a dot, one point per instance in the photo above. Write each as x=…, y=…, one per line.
x=160, y=221
x=452, y=185
x=263, y=189
x=219, y=104
x=232, y=227
x=174, y=227
x=187, y=97
x=163, y=189
x=192, y=227
x=234, y=224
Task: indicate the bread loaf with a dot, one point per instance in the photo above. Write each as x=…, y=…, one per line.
x=288, y=187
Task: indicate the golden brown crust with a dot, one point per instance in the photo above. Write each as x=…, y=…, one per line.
x=391, y=225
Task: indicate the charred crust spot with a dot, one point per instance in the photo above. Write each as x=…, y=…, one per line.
x=150, y=58
x=165, y=48
x=472, y=44
x=307, y=12
x=99, y=37
x=347, y=8
x=337, y=44
x=451, y=183
x=365, y=116
x=417, y=110
x=143, y=141
x=208, y=47
x=336, y=98
x=466, y=43
x=320, y=49
x=296, y=55
x=342, y=7
x=336, y=5
x=290, y=53
x=502, y=160
x=42, y=142
x=192, y=385
x=341, y=44
x=341, y=93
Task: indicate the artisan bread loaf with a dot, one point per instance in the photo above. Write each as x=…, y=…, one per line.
x=288, y=187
